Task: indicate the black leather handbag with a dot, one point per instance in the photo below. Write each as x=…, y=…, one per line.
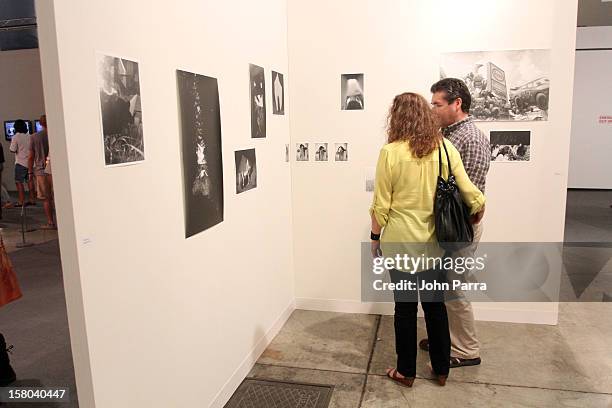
x=454, y=230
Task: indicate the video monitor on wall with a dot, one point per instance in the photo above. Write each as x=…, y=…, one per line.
x=9, y=128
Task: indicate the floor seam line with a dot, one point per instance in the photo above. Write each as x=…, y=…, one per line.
x=365, y=383
x=507, y=385
x=314, y=369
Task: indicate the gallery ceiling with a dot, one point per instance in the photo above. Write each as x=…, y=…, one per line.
x=594, y=13
x=18, y=21
x=17, y=25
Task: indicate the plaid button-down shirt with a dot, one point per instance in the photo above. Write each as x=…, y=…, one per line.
x=474, y=148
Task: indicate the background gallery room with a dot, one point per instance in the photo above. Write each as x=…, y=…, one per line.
x=245, y=191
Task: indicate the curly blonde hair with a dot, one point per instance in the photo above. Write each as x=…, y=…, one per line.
x=411, y=119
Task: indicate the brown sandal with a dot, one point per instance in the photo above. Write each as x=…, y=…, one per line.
x=406, y=381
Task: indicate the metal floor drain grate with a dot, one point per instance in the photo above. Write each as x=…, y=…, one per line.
x=253, y=393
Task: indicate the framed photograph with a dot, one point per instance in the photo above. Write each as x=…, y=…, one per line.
x=510, y=145
x=351, y=91
x=258, y=101
x=246, y=170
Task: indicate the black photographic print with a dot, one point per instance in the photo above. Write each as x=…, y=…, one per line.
x=120, y=110
x=278, y=94
x=351, y=91
x=341, y=151
x=246, y=170
x=200, y=121
x=321, y=152
x=301, y=152
x=512, y=85
x=510, y=145
x=258, y=101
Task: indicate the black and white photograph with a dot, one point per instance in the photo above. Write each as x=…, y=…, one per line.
x=258, y=101
x=321, y=152
x=200, y=124
x=510, y=145
x=351, y=91
x=246, y=170
x=341, y=152
x=120, y=110
x=301, y=152
x=286, y=153
x=505, y=85
x=278, y=94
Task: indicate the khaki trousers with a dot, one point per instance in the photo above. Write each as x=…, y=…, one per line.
x=464, y=343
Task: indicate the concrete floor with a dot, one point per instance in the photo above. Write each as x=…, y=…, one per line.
x=568, y=365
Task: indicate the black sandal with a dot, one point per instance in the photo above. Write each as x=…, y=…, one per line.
x=464, y=362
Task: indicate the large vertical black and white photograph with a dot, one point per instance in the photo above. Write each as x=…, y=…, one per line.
x=258, y=101
x=278, y=94
x=200, y=122
x=341, y=151
x=505, y=85
x=301, y=153
x=246, y=170
x=321, y=152
x=510, y=145
x=351, y=91
x=120, y=110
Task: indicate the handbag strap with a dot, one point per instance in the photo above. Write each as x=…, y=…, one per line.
x=450, y=171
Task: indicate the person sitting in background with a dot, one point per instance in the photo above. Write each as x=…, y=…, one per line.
x=20, y=145
x=405, y=186
x=39, y=154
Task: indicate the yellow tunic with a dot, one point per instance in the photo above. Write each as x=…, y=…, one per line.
x=404, y=193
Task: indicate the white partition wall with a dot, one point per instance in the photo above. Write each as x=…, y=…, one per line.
x=397, y=45
x=169, y=321
x=590, y=164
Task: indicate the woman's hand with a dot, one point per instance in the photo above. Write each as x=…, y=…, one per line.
x=376, y=252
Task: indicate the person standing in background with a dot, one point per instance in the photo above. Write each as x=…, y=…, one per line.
x=37, y=163
x=20, y=145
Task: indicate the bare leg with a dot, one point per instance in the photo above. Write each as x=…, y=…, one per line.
x=20, y=193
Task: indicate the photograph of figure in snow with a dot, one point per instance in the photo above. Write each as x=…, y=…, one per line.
x=341, y=151
x=120, y=110
x=505, y=85
x=278, y=94
x=510, y=145
x=246, y=170
x=302, y=152
x=351, y=92
x=258, y=101
x=200, y=124
x=320, y=151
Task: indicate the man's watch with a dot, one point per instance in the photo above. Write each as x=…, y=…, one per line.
x=374, y=237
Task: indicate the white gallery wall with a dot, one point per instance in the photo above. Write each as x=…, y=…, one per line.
x=22, y=98
x=158, y=320
x=397, y=45
x=591, y=140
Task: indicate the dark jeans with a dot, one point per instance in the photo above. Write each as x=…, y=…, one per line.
x=436, y=320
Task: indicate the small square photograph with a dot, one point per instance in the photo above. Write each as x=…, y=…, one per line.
x=302, y=152
x=510, y=145
x=278, y=94
x=287, y=153
x=351, y=92
x=246, y=170
x=341, y=151
x=321, y=152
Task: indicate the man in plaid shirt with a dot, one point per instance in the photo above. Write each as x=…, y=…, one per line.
x=451, y=102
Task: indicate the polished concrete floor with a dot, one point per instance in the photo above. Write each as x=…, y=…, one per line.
x=524, y=365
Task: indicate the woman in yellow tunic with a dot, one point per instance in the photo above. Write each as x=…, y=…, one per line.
x=403, y=209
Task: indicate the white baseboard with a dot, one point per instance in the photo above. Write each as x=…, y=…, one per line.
x=249, y=361
x=482, y=311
